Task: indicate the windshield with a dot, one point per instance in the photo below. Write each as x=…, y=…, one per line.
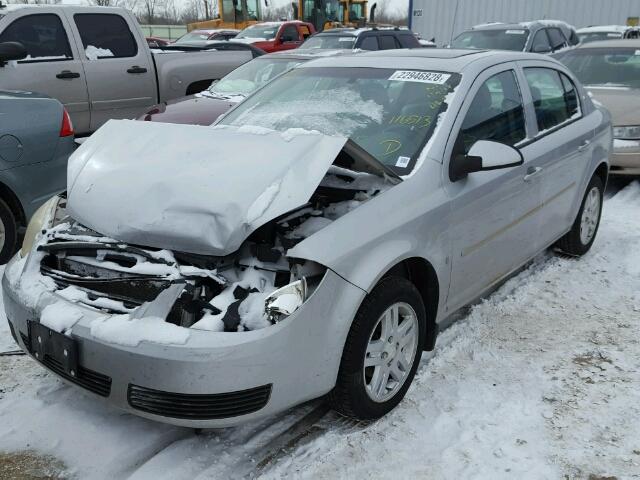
x=605, y=66
x=195, y=36
x=330, y=42
x=391, y=114
x=268, y=32
x=597, y=36
x=512, y=39
x=251, y=76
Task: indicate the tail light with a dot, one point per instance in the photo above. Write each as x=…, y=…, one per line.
x=67, y=127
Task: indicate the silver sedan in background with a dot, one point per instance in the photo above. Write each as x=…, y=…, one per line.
x=344, y=211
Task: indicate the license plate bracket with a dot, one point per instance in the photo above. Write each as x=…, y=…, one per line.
x=44, y=342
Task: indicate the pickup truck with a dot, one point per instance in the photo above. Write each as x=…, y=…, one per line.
x=96, y=61
x=276, y=36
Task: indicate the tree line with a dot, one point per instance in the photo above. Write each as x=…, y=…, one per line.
x=167, y=12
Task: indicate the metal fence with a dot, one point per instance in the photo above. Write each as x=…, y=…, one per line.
x=167, y=32
x=444, y=19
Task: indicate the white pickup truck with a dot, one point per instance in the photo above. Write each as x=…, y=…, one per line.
x=96, y=61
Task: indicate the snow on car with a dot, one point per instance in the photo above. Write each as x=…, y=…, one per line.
x=214, y=291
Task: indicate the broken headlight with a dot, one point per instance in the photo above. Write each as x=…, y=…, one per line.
x=286, y=300
x=41, y=220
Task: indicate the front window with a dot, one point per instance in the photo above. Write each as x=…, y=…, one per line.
x=389, y=113
x=250, y=76
x=43, y=36
x=330, y=42
x=356, y=12
x=266, y=32
x=496, y=113
x=510, y=39
x=613, y=67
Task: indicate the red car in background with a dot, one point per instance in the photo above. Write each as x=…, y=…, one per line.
x=276, y=36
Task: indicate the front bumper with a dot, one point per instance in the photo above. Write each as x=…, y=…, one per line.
x=625, y=159
x=272, y=369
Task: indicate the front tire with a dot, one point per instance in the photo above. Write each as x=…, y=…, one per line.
x=382, y=351
x=579, y=239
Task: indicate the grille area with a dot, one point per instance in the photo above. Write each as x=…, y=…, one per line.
x=198, y=407
x=93, y=381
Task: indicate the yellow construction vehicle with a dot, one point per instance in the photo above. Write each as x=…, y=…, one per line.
x=325, y=14
x=232, y=14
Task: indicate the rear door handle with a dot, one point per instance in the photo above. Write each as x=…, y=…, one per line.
x=136, y=69
x=584, y=145
x=68, y=74
x=532, y=172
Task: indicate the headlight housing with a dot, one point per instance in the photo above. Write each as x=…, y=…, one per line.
x=627, y=133
x=286, y=300
x=41, y=220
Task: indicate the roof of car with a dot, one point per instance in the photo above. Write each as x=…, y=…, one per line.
x=523, y=25
x=629, y=43
x=436, y=59
x=604, y=29
x=357, y=31
x=309, y=53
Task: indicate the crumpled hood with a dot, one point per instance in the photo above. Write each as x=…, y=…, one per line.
x=622, y=103
x=190, y=188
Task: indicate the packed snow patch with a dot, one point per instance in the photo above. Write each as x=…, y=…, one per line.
x=60, y=316
x=127, y=331
x=95, y=53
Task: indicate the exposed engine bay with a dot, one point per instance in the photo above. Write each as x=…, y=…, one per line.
x=249, y=289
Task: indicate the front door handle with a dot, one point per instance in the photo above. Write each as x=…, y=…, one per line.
x=136, y=69
x=532, y=172
x=584, y=145
x=68, y=74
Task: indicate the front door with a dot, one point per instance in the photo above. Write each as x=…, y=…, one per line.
x=120, y=77
x=288, y=38
x=493, y=219
x=53, y=65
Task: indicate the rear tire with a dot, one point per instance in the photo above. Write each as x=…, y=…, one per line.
x=387, y=333
x=579, y=239
x=8, y=233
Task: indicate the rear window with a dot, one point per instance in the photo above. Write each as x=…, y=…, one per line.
x=509, y=39
x=330, y=42
x=105, y=36
x=613, y=67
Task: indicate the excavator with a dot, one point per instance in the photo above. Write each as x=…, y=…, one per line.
x=232, y=14
x=326, y=14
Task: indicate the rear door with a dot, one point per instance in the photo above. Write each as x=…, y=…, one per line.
x=561, y=145
x=53, y=67
x=120, y=77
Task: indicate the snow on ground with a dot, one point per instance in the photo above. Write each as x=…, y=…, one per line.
x=541, y=380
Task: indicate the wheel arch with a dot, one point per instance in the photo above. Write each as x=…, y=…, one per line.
x=602, y=171
x=14, y=204
x=422, y=274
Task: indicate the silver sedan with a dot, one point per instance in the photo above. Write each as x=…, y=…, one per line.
x=312, y=241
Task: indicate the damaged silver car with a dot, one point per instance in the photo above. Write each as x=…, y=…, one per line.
x=313, y=240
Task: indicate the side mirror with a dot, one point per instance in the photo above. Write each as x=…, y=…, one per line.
x=11, y=51
x=484, y=155
x=541, y=49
